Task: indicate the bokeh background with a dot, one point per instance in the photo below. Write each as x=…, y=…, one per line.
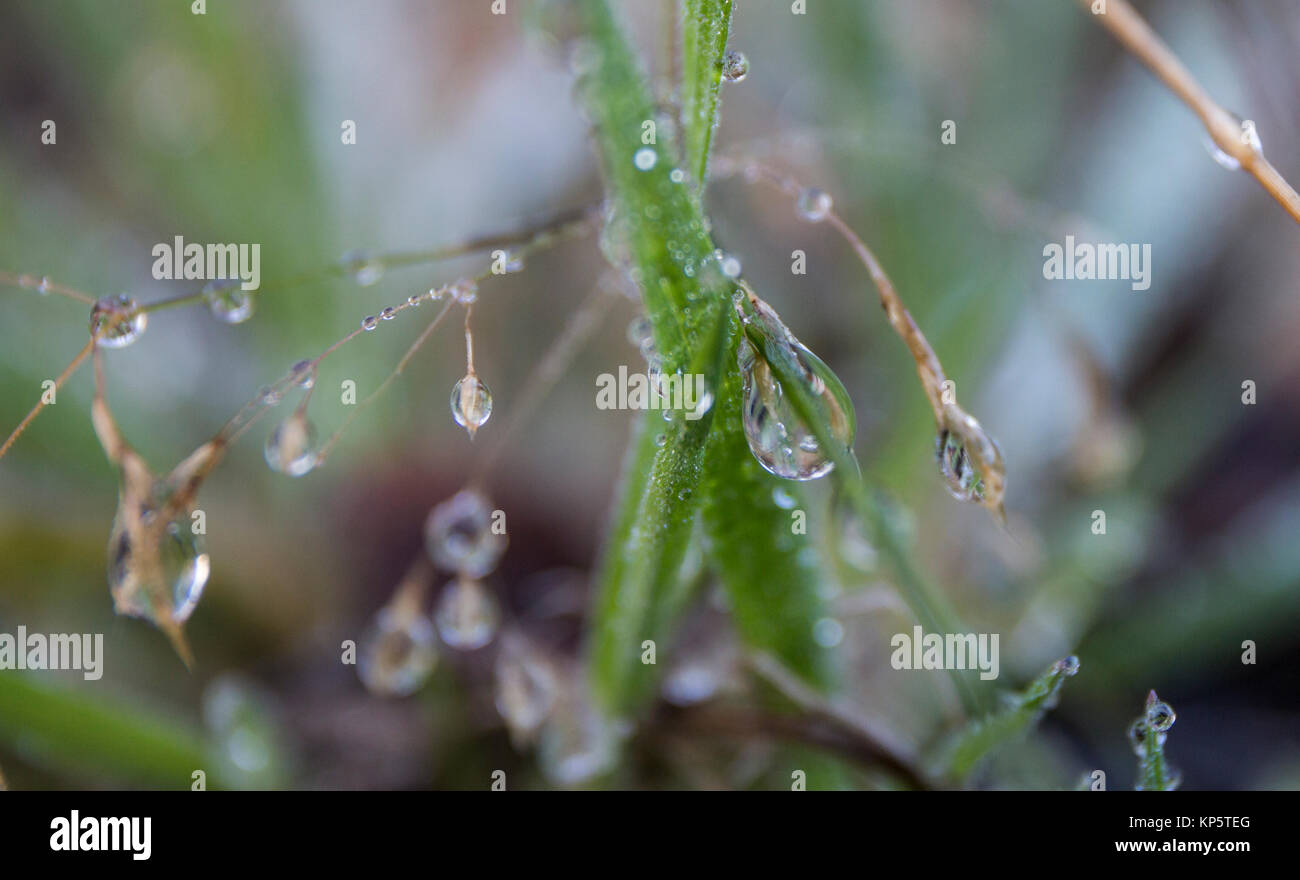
x=226, y=127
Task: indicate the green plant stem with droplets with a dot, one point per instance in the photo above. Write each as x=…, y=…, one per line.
x=770, y=584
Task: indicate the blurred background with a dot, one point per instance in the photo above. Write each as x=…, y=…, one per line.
x=226, y=127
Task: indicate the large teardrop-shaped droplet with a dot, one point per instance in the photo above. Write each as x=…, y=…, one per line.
x=462, y=535
x=398, y=653
x=526, y=687
x=117, y=321
x=970, y=461
x=779, y=438
x=291, y=446
x=156, y=571
x=467, y=615
x=471, y=403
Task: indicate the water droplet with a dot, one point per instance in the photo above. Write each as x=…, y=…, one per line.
x=526, y=688
x=828, y=632
x=176, y=558
x=437, y=293
x=398, y=653
x=735, y=66
x=1249, y=136
x=661, y=439
x=303, y=373
x=1220, y=157
x=44, y=285
x=241, y=719
x=1137, y=736
x=117, y=321
x=471, y=403
x=467, y=615
x=1068, y=666
x=781, y=442
x=291, y=447
x=369, y=322
x=639, y=330
x=969, y=460
x=576, y=745
x=783, y=499
x=414, y=299
x=364, y=269
x=269, y=395
x=813, y=205
x=1160, y=715
x=460, y=537
x=228, y=301
x=465, y=291
x=677, y=175
x=729, y=265
x=645, y=158
x=388, y=313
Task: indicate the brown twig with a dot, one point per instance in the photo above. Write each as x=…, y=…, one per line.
x=1127, y=26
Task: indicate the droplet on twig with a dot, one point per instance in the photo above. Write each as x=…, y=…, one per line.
x=291, y=446
x=116, y=322
x=471, y=403
x=459, y=535
x=467, y=614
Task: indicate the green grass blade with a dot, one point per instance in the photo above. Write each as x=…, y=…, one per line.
x=705, y=27
x=660, y=226
x=980, y=738
x=770, y=574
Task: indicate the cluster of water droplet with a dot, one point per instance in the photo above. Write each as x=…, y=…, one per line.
x=116, y=322
x=461, y=537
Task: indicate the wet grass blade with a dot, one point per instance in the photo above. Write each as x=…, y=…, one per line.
x=705, y=27
x=660, y=227
x=964, y=753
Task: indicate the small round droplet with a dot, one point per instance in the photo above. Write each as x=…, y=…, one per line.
x=645, y=158
x=471, y=403
x=388, y=314
x=828, y=632
x=228, y=301
x=1160, y=716
x=465, y=291
x=735, y=66
x=1068, y=666
x=462, y=535
x=303, y=373
x=813, y=205
x=467, y=615
x=414, y=299
x=783, y=499
x=117, y=321
x=291, y=447
x=661, y=439
x=369, y=322
x=398, y=653
x=677, y=175
x=364, y=269
x=44, y=285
